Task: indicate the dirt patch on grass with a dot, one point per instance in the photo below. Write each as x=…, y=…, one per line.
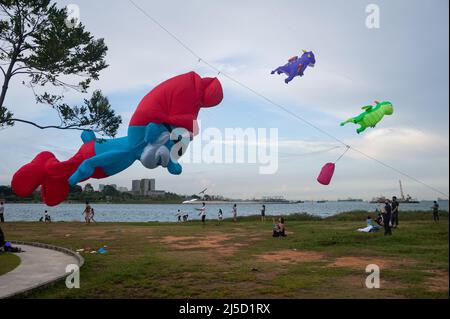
x=354, y=286
x=216, y=242
x=438, y=281
x=359, y=262
x=289, y=256
x=363, y=262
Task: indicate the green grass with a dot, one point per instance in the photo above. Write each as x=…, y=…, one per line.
x=8, y=262
x=320, y=258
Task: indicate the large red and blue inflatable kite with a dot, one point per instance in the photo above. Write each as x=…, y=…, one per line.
x=154, y=133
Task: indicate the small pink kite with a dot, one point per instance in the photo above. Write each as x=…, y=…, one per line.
x=326, y=174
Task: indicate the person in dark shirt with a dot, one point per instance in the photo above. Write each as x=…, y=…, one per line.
x=387, y=216
x=395, y=206
x=2, y=239
x=435, y=211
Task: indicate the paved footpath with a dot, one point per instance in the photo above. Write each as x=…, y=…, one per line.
x=37, y=266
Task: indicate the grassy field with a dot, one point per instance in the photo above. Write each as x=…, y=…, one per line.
x=8, y=262
x=320, y=258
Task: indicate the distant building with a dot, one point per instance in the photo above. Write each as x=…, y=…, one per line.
x=122, y=189
x=146, y=187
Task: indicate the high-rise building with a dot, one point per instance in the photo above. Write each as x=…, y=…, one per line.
x=136, y=186
x=145, y=187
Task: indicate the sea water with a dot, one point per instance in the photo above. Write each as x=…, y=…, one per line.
x=167, y=212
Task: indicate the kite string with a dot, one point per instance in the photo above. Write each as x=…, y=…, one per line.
x=219, y=72
x=347, y=148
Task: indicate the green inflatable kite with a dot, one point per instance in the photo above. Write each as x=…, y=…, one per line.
x=371, y=116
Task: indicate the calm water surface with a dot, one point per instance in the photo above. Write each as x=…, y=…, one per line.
x=166, y=212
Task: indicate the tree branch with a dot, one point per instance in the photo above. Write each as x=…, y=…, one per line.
x=69, y=127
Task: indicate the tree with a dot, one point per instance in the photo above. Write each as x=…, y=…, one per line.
x=40, y=43
x=109, y=190
x=88, y=188
x=75, y=189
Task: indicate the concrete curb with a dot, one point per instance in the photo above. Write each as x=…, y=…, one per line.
x=49, y=282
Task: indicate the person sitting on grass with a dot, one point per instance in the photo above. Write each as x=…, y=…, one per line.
x=6, y=246
x=279, y=229
x=370, y=224
x=379, y=219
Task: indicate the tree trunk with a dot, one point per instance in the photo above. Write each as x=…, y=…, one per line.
x=8, y=76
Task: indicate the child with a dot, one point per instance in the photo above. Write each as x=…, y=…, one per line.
x=87, y=213
x=279, y=229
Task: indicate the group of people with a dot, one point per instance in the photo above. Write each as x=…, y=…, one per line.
x=388, y=218
x=278, y=228
x=183, y=216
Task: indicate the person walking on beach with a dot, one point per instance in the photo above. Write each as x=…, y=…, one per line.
x=202, y=213
x=435, y=208
x=395, y=206
x=87, y=213
x=2, y=212
x=234, y=211
x=387, y=216
x=263, y=213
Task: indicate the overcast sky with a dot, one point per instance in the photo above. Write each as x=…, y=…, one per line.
x=405, y=61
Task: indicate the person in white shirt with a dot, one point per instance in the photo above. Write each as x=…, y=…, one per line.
x=220, y=216
x=179, y=214
x=202, y=212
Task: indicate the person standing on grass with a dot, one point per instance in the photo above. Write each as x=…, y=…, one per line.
x=47, y=217
x=91, y=217
x=435, y=208
x=387, y=217
x=87, y=213
x=202, y=213
x=395, y=206
x=234, y=211
x=179, y=214
x=263, y=213
x=2, y=212
x=220, y=215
